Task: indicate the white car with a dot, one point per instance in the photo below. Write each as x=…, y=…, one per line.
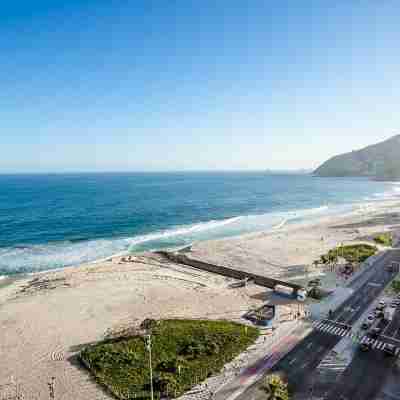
x=382, y=303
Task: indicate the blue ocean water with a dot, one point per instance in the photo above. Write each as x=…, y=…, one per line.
x=51, y=221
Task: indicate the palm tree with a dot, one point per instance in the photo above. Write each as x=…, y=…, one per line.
x=275, y=388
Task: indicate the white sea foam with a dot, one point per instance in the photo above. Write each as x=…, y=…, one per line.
x=393, y=193
x=52, y=256
x=183, y=230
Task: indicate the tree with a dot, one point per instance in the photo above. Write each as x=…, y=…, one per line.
x=276, y=388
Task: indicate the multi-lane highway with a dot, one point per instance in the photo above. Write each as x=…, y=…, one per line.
x=299, y=366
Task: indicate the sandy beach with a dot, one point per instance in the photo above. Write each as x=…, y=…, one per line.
x=46, y=318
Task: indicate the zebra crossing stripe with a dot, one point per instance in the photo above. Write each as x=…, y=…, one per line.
x=333, y=330
x=325, y=328
x=338, y=331
x=330, y=329
x=318, y=325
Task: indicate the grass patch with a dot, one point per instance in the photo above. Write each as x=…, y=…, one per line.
x=395, y=286
x=354, y=253
x=184, y=353
x=384, y=239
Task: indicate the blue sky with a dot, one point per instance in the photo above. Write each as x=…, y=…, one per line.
x=180, y=85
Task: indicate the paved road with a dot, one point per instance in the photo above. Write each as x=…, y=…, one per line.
x=300, y=364
x=364, y=377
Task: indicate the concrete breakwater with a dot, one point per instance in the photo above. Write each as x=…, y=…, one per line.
x=226, y=271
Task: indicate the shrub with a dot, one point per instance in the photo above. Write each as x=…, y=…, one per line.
x=384, y=239
x=275, y=388
x=184, y=352
x=396, y=286
x=356, y=253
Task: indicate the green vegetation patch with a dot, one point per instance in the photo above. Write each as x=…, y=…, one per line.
x=395, y=286
x=275, y=388
x=384, y=239
x=184, y=353
x=355, y=253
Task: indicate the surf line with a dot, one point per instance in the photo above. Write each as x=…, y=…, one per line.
x=281, y=224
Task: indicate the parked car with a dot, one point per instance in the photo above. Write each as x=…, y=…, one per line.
x=382, y=303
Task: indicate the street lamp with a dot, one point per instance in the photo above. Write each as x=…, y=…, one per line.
x=148, y=347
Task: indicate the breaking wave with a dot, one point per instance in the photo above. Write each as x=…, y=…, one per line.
x=33, y=258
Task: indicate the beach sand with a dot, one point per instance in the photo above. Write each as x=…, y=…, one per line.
x=46, y=318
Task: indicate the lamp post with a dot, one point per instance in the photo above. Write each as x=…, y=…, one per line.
x=148, y=347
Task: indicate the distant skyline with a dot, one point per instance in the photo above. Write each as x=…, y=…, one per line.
x=110, y=85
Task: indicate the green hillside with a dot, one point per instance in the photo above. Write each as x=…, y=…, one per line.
x=379, y=161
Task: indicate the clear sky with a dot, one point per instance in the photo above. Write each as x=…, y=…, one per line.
x=172, y=85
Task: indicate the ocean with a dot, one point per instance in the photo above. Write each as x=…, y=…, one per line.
x=57, y=220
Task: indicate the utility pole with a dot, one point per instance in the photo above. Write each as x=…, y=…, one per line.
x=148, y=347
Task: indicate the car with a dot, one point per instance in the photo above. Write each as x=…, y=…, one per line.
x=374, y=333
x=370, y=317
x=380, y=307
x=378, y=313
x=365, y=325
x=382, y=303
x=396, y=302
x=390, y=349
x=366, y=345
x=398, y=296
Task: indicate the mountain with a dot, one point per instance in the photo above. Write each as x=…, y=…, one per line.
x=380, y=161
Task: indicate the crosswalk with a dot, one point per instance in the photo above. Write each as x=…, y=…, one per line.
x=374, y=343
x=333, y=329
x=329, y=327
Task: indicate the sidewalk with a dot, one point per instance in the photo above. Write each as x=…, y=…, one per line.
x=342, y=293
x=249, y=366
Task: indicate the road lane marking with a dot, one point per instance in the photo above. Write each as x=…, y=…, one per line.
x=336, y=331
x=293, y=360
x=390, y=338
x=309, y=345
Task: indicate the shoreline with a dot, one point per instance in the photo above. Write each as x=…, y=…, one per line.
x=285, y=225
